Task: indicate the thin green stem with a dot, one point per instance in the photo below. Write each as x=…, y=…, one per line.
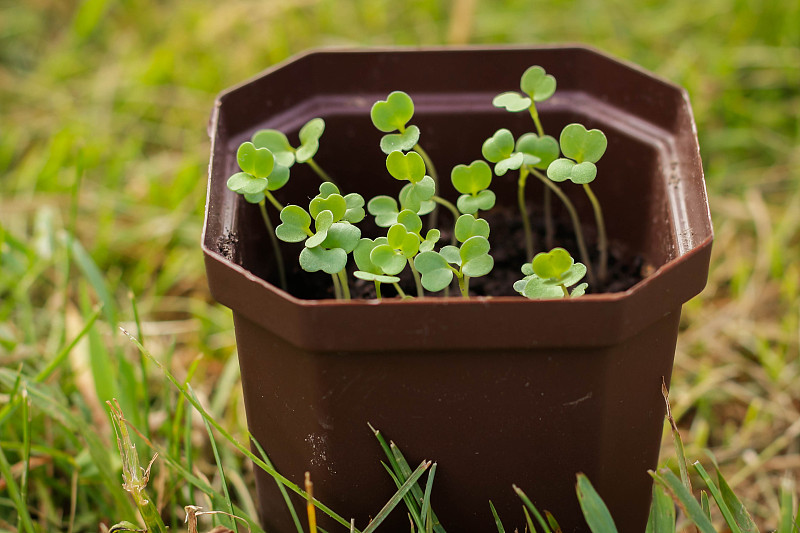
x=566, y=292
x=378, y=289
x=453, y=209
x=602, y=239
x=345, y=285
x=399, y=290
x=276, y=247
x=535, y=117
x=337, y=287
x=434, y=218
x=523, y=211
x=417, y=279
x=318, y=170
x=273, y=201
x=463, y=285
x=576, y=222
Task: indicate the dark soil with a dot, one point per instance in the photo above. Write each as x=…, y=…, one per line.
x=625, y=269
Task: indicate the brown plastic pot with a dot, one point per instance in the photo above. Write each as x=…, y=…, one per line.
x=497, y=390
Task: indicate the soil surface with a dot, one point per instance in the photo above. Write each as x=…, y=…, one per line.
x=625, y=269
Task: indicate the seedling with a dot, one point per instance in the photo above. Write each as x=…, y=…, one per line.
x=550, y=274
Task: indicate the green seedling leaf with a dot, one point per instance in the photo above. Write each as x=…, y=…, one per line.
x=326, y=188
x=400, y=141
x=389, y=260
x=342, y=235
x=335, y=203
x=581, y=145
x=430, y=241
x=278, y=178
x=543, y=148
x=552, y=264
x=380, y=278
x=384, y=209
x=512, y=101
x=451, y=254
x=483, y=201
x=322, y=222
x=435, y=270
x=244, y=183
x=355, y=208
x=468, y=226
x=277, y=143
x=529, y=506
x=410, y=220
x=309, y=139
x=415, y=196
x=393, y=113
x=318, y=258
x=578, y=291
x=512, y=163
x=662, y=512
x=475, y=258
x=362, y=252
x=594, y=510
x=406, y=167
x=403, y=240
x=499, y=146
x=497, y=522
x=471, y=179
x=296, y=224
x=254, y=198
x=537, y=84
x=257, y=162
x=535, y=288
x=566, y=169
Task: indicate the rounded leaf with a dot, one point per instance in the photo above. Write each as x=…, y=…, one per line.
x=244, y=183
x=474, y=247
x=393, y=113
x=436, y=273
x=472, y=178
x=519, y=285
x=560, y=169
x=254, y=198
x=511, y=163
x=361, y=255
x=322, y=222
x=536, y=83
x=478, y=266
x=312, y=131
x=410, y=220
x=430, y=240
x=580, y=173
x=468, y=226
x=545, y=148
x=384, y=209
x=536, y=289
x=415, y=195
x=370, y=276
x=277, y=143
x=499, y=146
x=278, y=178
x=342, y=235
x=451, y=254
x=552, y=264
x=389, y=260
x=296, y=224
x=355, y=208
x=406, y=167
x=400, y=141
x=512, y=101
x=579, y=291
x=572, y=276
x=335, y=203
x=326, y=188
x=318, y=258
x=255, y=161
x=581, y=145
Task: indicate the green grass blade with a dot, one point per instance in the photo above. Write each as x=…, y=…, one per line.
x=594, y=509
x=717, y=495
x=394, y=500
x=16, y=496
x=552, y=521
x=497, y=521
x=413, y=513
x=426, y=499
x=93, y=275
x=289, y=504
x=740, y=513
x=528, y=520
x=26, y=449
x=684, y=498
x=680, y=452
x=228, y=522
x=232, y=440
x=529, y=504
x=662, y=512
x=787, y=507
x=705, y=504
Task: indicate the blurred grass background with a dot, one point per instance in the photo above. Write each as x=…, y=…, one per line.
x=103, y=157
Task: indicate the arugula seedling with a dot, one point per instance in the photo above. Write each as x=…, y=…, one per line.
x=550, y=274
x=470, y=260
x=473, y=182
x=368, y=270
x=335, y=234
x=582, y=148
x=286, y=155
x=392, y=115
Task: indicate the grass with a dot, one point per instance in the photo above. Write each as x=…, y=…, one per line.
x=103, y=158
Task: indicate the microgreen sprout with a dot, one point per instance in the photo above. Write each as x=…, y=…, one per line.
x=582, y=148
x=286, y=154
x=392, y=115
x=550, y=274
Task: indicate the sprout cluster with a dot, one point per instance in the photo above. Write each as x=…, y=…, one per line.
x=328, y=227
